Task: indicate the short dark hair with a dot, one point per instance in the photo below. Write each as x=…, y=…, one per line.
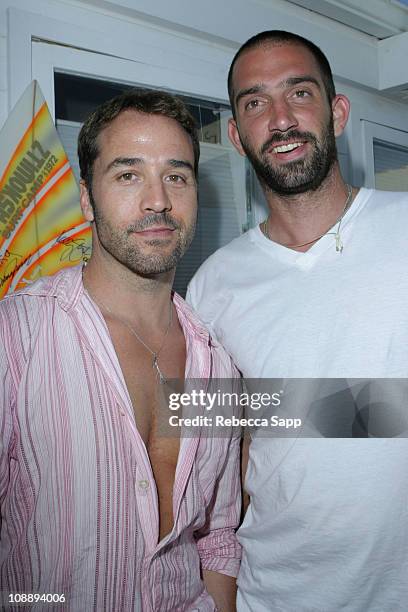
x=280, y=37
x=145, y=101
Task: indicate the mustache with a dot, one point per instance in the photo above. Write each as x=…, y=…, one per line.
x=279, y=139
x=162, y=219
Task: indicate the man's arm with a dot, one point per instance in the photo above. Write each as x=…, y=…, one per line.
x=217, y=543
x=223, y=590
x=219, y=550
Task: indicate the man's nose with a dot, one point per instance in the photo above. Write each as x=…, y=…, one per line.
x=155, y=197
x=282, y=117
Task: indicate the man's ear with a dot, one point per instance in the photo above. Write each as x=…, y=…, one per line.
x=233, y=135
x=85, y=201
x=341, y=111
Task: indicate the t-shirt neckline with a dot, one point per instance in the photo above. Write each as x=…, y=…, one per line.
x=325, y=243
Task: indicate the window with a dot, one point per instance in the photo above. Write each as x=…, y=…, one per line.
x=390, y=166
x=386, y=157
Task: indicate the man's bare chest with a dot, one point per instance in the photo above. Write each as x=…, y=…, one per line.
x=148, y=399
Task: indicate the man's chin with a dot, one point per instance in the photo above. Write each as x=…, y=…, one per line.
x=149, y=265
x=287, y=185
x=294, y=179
x=152, y=269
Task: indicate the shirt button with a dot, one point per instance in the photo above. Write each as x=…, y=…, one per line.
x=143, y=484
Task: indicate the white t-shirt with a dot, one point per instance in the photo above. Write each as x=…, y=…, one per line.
x=327, y=527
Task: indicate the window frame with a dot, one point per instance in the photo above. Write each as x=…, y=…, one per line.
x=374, y=131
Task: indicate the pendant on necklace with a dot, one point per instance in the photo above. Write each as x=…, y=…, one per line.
x=162, y=379
x=339, y=244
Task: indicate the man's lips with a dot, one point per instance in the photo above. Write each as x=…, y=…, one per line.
x=287, y=142
x=288, y=151
x=156, y=231
x=287, y=147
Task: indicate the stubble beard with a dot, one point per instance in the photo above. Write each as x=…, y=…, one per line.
x=298, y=176
x=119, y=244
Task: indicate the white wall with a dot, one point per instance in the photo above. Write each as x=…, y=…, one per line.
x=187, y=45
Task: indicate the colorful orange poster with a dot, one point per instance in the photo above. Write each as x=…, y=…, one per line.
x=41, y=225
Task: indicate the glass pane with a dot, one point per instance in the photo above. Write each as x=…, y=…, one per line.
x=390, y=166
x=77, y=96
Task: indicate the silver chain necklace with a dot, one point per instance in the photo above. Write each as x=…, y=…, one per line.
x=339, y=244
x=155, y=354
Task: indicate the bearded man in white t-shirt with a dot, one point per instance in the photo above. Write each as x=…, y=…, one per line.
x=318, y=290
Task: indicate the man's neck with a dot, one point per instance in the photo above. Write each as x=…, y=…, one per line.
x=139, y=300
x=300, y=218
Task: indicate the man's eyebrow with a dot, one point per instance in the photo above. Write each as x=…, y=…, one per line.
x=124, y=161
x=180, y=163
x=305, y=78
x=249, y=91
x=119, y=162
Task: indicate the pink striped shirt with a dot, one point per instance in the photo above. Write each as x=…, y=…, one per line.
x=79, y=506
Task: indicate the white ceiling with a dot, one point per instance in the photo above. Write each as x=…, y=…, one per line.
x=378, y=18
x=384, y=20
x=373, y=31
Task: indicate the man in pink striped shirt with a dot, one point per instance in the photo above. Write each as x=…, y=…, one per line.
x=97, y=508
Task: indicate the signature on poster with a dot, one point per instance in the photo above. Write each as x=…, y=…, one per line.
x=76, y=249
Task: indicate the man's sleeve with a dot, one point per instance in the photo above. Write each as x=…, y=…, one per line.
x=218, y=547
x=7, y=400
x=203, y=299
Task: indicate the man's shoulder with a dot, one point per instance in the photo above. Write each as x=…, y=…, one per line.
x=60, y=285
x=198, y=332
x=387, y=195
x=387, y=215
x=232, y=250
x=209, y=286
x=225, y=258
x=189, y=319
x=193, y=326
x=387, y=198
x=54, y=285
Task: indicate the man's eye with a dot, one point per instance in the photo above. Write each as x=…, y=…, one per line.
x=252, y=104
x=176, y=178
x=301, y=93
x=126, y=177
